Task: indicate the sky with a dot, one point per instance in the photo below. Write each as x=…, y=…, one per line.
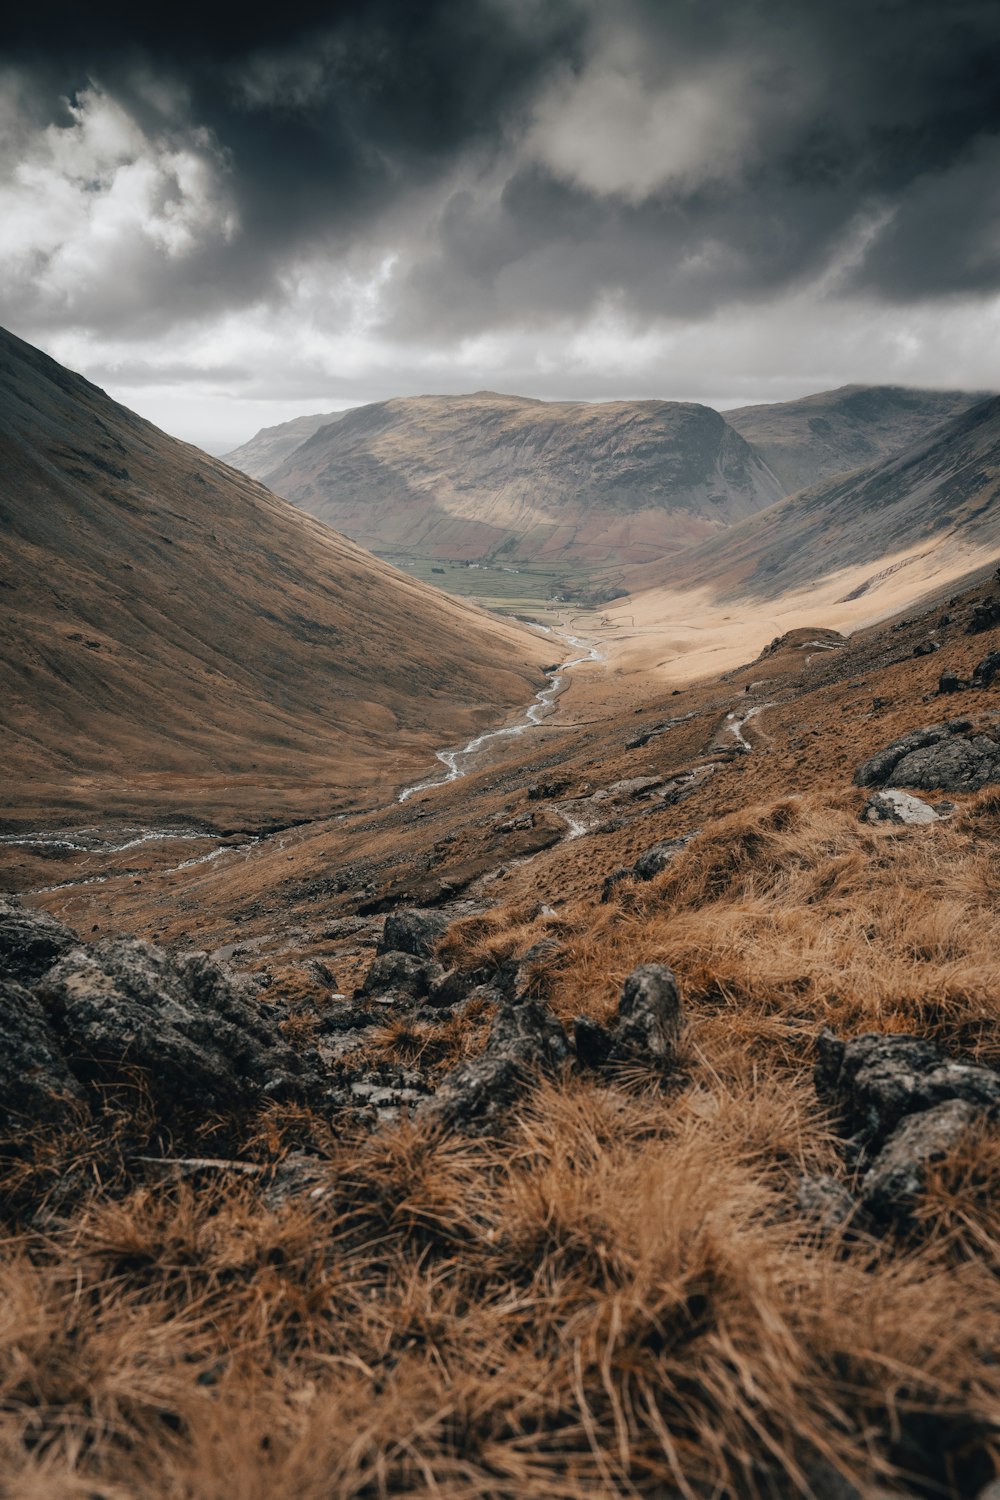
x=227, y=219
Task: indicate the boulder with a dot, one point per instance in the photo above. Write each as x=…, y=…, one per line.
x=30, y=940
x=986, y=670
x=898, y=807
x=657, y=858
x=593, y=1042
x=396, y=974
x=544, y=791
x=950, y=682
x=412, y=931
x=198, y=1034
x=35, y=1082
x=649, y=1015
x=526, y=1040
x=926, y=648
x=985, y=616
x=954, y=757
x=875, y=1081
x=896, y=1179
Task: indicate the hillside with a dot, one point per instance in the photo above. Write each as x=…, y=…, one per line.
x=272, y=445
x=176, y=638
x=939, y=499
x=511, y=479
x=834, y=432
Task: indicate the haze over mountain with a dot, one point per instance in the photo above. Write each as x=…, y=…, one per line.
x=177, y=637
x=834, y=432
x=505, y=477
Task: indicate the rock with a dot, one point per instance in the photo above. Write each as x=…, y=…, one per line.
x=544, y=791
x=657, y=858
x=991, y=1492
x=897, y=807
x=951, y=756
x=526, y=1040
x=342, y=1018
x=188, y=1024
x=633, y=786
x=878, y=703
x=35, y=1083
x=416, y=932
x=401, y=974
x=824, y=1201
x=30, y=940
x=649, y=1015
x=984, y=673
x=537, y=965
x=926, y=648
x=944, y=621
x=896, y=1180
x=875, y=1081
x=949, y=682
x=624, y=872
x=985, y=615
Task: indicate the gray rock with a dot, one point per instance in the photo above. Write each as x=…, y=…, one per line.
x=875, y=1081
x=824, y=1201
x=926, y=648
x=897, y=1178
x=35, y=1083
x=649, y=1015
x=949, y=682
x=652, y=861
x=402, y=974
x=412, y=931
x=30, y=940
x=985, y=615
x=951, y=756
x=526, y=1040
x=986, y=670
x=892, y=806
x=189, y=1025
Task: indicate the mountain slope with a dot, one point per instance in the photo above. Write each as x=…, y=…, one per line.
x=504, y=477
x=835, y=432
x=272, y=445
x=943, y=491
x=175, y=636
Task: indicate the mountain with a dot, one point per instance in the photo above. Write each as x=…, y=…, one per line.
x=835, y=432
x=941, y=494
x=174, y=636
x=513, y=479
x=272, y=445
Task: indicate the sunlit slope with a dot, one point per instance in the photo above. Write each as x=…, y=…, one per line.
x=516, y=480
x=835, y=432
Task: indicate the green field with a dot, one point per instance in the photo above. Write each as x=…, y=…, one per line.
x=541, y=593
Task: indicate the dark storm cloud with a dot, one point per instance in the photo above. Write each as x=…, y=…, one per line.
x=527, y=158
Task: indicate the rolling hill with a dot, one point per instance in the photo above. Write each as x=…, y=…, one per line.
x=510, y=479
x=175, y=637
x=835, y=432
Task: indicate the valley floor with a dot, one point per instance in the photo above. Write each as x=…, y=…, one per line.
x=483, y=1238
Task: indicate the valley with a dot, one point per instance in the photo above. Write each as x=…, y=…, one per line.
x=481, y=1058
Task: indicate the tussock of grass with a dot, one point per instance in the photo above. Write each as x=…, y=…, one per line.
x=620, y=1297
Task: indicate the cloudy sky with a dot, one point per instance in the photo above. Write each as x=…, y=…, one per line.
x=231, y=223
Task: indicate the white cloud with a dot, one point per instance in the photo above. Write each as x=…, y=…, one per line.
x=89, y=209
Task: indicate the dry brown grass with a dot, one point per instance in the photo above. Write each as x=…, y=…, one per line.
x=619, y=1298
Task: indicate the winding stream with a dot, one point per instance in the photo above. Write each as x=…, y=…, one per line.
x=455, y=760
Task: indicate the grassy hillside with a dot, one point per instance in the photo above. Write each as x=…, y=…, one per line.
x=174, y=637
x=509, y=479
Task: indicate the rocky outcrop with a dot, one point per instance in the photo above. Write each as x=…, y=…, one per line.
x=898, y=807
x=35, y=1081
x=412, y=931
x=904, y=1105
x=525, y=1041
x=649, y=1015
x=651, y=862
x=187, y=1024
x=955, y=757
x=986, y=670
x=896, y=1180
x=30, y=941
